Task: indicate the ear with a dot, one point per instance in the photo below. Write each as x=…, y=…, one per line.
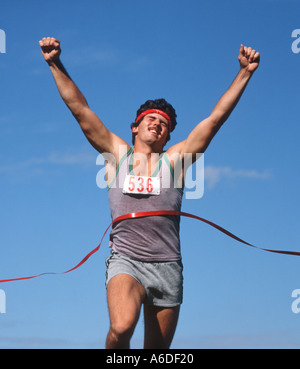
x=135, y=129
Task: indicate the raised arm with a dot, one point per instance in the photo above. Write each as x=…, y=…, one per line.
x=95, y=131
x=201, y=136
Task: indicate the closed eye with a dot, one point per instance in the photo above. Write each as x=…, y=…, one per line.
x=152, y=118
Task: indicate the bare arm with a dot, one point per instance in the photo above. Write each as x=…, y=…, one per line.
x=201, y=136
x=95, y=131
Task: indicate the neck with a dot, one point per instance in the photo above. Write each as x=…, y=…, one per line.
x=146, y=159
x=146, y=149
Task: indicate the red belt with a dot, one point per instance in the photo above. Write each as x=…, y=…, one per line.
x=153, y=213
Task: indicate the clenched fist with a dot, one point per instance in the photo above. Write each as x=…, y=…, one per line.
x=50, y=48
x=248, y=58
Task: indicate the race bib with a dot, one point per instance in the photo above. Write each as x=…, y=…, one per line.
x=141, y=185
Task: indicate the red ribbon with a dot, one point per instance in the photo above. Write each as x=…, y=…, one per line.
x=154, y=213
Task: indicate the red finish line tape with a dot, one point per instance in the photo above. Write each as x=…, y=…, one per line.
x=154, y=213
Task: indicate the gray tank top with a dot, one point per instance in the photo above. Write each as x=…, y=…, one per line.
x=153, y=238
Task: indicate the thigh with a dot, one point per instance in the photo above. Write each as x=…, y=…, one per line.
x=125, y=296
x=160, y=326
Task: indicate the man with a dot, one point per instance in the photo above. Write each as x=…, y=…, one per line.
x=145, y=264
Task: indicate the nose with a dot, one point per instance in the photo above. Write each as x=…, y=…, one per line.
x=157, y=123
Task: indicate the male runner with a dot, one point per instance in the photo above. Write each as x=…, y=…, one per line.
x=144, y=267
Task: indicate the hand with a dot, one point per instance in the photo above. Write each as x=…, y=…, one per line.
x=248, y=58
x=50, y=48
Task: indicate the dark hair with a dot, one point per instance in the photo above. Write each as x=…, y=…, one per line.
x=160, y=104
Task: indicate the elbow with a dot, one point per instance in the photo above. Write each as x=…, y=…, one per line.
x=218, y=118
x=78, y=110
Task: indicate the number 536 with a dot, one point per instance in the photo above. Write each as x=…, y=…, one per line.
x=140, y=184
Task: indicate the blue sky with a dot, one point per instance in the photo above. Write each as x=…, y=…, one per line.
x=121, y=53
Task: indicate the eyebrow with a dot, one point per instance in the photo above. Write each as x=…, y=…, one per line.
x=153, y=117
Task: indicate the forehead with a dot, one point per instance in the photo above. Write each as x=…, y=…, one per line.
x=157, y=116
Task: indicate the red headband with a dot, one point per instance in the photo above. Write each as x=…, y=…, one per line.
x=165, y=115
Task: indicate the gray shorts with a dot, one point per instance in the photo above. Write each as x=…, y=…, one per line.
x=163, y=281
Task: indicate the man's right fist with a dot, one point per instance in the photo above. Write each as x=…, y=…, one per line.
x=50, y=48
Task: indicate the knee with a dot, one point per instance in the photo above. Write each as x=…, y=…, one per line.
x=122, y=329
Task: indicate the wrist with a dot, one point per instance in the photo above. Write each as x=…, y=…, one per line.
x=54, y=63
x=245, y=73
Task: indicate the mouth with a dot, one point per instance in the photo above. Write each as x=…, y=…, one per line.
x=153, y=131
